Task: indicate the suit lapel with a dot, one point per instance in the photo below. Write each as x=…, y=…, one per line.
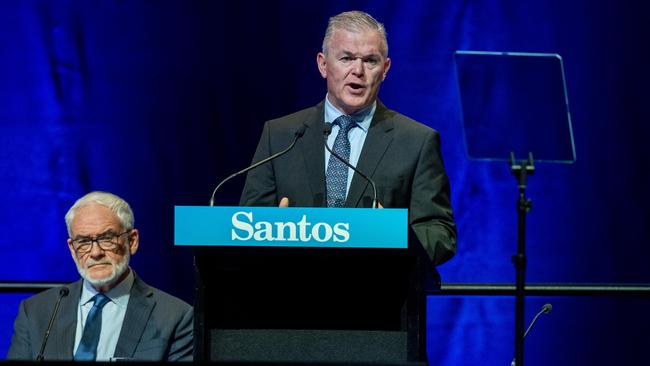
x=137, y=315
x=313, y=151
x=374, y=147
x=61, y=340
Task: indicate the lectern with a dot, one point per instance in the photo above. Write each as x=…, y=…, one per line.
x=306, y=285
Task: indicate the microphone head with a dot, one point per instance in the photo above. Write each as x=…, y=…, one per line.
x=327, y=130
x=64, y=291
x=547, y=308
x=300, y=131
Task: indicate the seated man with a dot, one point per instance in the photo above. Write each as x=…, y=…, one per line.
x=110, y=314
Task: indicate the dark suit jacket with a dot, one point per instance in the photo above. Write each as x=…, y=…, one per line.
x=401, y=155
x=157, y=326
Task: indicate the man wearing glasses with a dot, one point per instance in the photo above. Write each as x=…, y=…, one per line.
x=110, y=314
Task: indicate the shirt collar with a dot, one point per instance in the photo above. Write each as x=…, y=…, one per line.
x=118, y=294
x=362, y=117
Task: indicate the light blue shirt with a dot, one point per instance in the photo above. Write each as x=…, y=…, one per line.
x=112, y=316
x=357, y=135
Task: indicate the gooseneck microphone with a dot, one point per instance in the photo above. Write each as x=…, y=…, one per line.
x=326, y=133
x=545, y=310
x=298, y=134
x=62, y=293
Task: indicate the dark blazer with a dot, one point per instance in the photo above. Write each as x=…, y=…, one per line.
x=157, y=326
x=401, y=155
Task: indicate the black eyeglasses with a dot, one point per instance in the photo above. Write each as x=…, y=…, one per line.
x=108, y=241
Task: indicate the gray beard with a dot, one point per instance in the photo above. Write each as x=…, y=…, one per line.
x=118, y=270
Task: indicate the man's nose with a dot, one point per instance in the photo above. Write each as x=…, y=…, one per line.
x=357, y=67
x=96, y=250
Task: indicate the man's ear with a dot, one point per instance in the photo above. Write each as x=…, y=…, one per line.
x=72, y=251
x=321, y=61
x=134, y=241
x=386, y=67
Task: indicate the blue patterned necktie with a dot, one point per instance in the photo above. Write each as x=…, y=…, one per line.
x=87, y=350
x=337, y=172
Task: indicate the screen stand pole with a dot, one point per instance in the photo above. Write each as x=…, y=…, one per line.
x=521, y=170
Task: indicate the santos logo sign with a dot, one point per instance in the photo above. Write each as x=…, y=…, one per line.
x=246, y=228
x=301, y=227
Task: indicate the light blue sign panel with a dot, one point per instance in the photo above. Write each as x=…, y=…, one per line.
x=290, y=227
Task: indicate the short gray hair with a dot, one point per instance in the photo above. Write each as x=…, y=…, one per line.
x=354, y=21
x=119, y=207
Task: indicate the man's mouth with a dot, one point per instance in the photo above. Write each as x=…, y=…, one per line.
x=356, y=88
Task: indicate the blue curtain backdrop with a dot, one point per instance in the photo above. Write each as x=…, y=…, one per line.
x=159, y=100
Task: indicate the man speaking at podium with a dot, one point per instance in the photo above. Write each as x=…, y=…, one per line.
x=401, y=155
x=111, y=314
x=320, y=289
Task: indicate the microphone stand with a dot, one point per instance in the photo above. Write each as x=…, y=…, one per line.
x=298, y=134
x=521, y=171
x=63, y=292
x=545, y=310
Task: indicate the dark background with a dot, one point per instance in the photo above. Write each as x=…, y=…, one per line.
x=157, y=101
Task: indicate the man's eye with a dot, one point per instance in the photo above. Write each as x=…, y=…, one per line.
x=346, y=58
x=372, y=61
